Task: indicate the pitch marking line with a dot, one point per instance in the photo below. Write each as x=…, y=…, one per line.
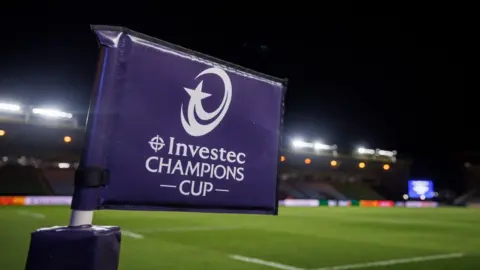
x=394, y=262
x=189, y=229
x=266, y=263
x=353, y=266
x=132, y=234
x=31, y=214
x=136, y=234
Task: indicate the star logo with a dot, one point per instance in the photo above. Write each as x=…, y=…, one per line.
x=195, y=108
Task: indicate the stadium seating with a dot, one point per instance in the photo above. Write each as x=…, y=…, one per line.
x=357, y=191
x=291, y=191
x=328, y=191
x=311, y=193
x=61, y=180
x=16, y=179
x=282, y=195
x=38, y=177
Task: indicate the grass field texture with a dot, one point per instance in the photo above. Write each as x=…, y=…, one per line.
x=299, y=238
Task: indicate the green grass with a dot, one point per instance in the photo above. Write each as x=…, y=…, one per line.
x=303, y=237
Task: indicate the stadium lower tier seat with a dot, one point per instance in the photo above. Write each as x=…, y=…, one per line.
x=61, y=180
x=328, y=191
x=16, y=179
x=311, y=193
x=291, y=191
x=355, y=191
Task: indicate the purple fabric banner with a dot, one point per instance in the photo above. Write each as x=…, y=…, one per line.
x=182, y=131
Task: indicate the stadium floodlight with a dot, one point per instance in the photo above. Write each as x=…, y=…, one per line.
x=386, y=153
x=322, y=146
x=10, y=107
x=318, y=146
x=53, y=113
x=365, y=151
x=63, y=165
x=298, y=143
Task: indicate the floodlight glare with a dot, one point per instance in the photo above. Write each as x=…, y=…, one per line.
x=63, y=165
x=9, y=107
x=321, y=146
x=297, y=143
x=363, y=150
x=386, y=153
x=51, y=113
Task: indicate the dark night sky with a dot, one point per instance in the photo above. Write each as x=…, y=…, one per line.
x=355, y=77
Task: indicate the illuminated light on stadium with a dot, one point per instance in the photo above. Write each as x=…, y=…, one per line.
x=53, y=113
x=26, y=114
x=22, y=160
x=318, y=147
x=282, y=158
x=63, y=165
x=321, y=146
x=362, y=165
x=386, y=167
x=308, y=161
x=386, y=153
x=365, y=151
x=67, y=139
x=333, y=163
x=298, y=143
x=362, y=151
x=9, y=107
x=2, y=132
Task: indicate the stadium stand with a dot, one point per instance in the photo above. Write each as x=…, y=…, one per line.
x=328, y=190
x=61, y=180
x=292, y=192
x=282, y=195
x=472, y=194
x=304, y=174
x=358, y=191
x=16, y=179
x=311, y=193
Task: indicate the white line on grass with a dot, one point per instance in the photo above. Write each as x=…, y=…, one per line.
x=352, y=266
x=132, y=234
x=394, y=262
x=188, y=229
x=31, y=214
x=262, y=262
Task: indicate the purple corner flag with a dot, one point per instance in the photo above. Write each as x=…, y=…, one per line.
x=183, y=131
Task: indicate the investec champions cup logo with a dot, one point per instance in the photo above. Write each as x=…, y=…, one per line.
x=199, y=169
x=195, y=108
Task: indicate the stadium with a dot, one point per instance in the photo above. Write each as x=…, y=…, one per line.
x=341, y=209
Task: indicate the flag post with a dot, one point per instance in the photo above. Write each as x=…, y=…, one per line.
x=80, y=218
x=81, y=245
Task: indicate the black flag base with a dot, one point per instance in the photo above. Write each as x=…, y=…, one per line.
x=85, y=248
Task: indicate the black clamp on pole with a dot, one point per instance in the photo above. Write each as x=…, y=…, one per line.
x=91, y=177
